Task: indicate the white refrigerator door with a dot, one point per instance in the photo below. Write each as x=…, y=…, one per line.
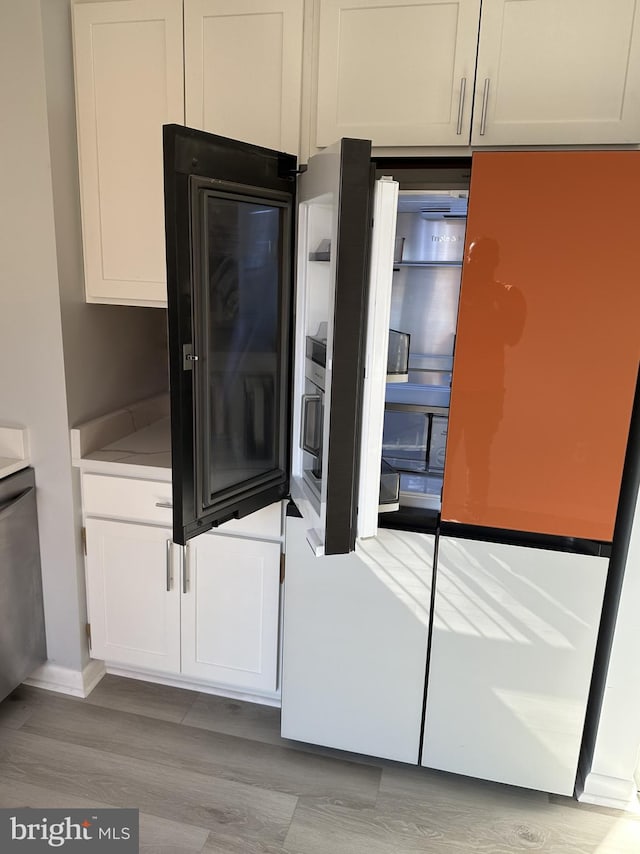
x=334, y=258
x=379, y=309
x=514, y=635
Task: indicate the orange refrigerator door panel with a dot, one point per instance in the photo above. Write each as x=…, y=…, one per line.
x=547, y=344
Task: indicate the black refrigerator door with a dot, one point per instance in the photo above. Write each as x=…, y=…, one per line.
x=335, y=197
x=229, y=234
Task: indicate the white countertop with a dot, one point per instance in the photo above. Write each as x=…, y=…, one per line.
x=133, y=442
x=14, y=450
x=149, y=447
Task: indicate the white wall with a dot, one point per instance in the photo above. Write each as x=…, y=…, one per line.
x=32, y=381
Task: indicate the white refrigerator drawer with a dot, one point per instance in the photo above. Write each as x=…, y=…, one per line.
x=355, y=643
x=514, y=635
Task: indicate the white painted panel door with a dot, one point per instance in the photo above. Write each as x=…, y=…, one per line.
x=230, y=609
x=129, y=82
x=398, y=72
x=355, y=643
x=133, y=594
x=558, y=72
x=514, y=635
x=243, y=70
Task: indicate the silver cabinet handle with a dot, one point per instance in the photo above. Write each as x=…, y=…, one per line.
x=169, y=565
x=185, y=568
x=166, y=504
x=463, y=87
x=485, y=101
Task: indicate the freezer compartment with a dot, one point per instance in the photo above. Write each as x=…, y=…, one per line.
x=514, y=634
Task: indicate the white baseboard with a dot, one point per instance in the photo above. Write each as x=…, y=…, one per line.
x=176, y=681
x=607, y=791
x=77, y=683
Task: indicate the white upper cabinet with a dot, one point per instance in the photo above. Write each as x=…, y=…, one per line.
x=133, y=594
x=549, y=72
x=556, y=72
x=398, y=72
x=129, y=82
x=238, y=66
x=243, y=69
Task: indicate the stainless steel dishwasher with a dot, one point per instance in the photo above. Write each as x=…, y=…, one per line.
x=22, y=635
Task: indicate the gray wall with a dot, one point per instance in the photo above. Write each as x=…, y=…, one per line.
x=32, y=382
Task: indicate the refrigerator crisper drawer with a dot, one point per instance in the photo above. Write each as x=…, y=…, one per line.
x=22, y=635
x=415, y=441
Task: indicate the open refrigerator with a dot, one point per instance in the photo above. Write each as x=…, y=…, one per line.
x=350, y=335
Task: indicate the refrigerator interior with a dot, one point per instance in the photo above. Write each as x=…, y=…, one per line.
x=430, y=236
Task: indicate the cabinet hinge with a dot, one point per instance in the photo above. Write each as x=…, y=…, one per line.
x=282, y=568
x=83, y=537
x=87, y=629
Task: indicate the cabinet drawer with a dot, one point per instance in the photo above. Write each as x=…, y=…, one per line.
x=138, y=500
x=127, y=498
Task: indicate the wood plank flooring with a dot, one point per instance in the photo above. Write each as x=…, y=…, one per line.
x=212, y=775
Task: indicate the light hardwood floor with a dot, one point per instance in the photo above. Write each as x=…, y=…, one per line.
x=213, y=775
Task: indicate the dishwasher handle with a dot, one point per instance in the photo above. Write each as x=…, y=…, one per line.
x=7, y=508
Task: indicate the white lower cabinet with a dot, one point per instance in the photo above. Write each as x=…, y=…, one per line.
x=209, y=610
x=133, y=592
x=514, y=635
x=230, y=605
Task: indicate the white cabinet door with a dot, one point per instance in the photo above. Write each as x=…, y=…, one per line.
x=514, y=635
x=129, y=82
x=133, y=593
x=558, y=72
x=243, y=70
x=398, y=72
x=230, y=606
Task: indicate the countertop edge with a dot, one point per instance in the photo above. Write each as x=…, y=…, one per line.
x=14, y=449
x=124, y=469
x=11, y=466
